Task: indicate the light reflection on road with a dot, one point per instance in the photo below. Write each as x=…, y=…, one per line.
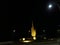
x=33, y=43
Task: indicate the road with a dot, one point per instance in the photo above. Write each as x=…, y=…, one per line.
x=33, y=43
x=42, y=43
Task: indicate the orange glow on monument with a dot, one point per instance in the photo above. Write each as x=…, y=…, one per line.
x=33, y=32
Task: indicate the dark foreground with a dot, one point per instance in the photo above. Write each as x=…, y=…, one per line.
x=56, y=42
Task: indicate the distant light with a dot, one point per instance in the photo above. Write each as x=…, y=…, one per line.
x=29, y=30
x=23, y=38
x=43, y=30
x=51, y=38
x=58, y=30
x=45, y=38
x=19, y=39
x=14, y=30
x=26, y=41
x=50, y=6
x=58, y=40
x=34, y=38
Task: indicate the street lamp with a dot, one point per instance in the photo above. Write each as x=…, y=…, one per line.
x=50, y=6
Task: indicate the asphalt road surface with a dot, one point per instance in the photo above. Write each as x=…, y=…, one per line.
x=35, y=43
x=42, y=43
x=57, y=42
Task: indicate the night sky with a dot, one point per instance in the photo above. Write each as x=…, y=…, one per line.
x=22, y=14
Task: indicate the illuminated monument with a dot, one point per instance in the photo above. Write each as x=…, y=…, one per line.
x=33, y=32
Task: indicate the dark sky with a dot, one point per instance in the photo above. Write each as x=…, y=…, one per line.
x=21, y=17
x=22, y=14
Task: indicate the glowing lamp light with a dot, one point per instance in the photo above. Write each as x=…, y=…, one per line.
x=23, y=38
x=34, y=38
x=50, y=6
x=26, y=41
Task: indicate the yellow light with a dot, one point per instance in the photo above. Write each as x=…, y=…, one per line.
x=33, y=31
x=26, y=41
x=23, y=38
x=34, y=38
